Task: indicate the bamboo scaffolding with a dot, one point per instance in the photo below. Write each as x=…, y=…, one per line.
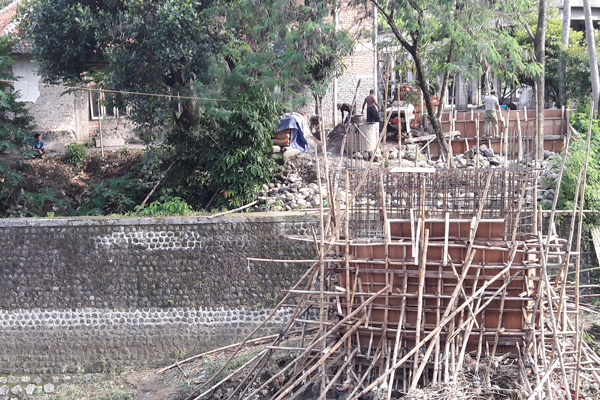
x=376, y=267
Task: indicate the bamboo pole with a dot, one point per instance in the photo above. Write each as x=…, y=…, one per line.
x=421, y=287
x=551, y=313
x=323, y=337
x=308, y=273
x=367, y=372
x=347, y=257
x=578, y=248
x=206, y=353
x=322, y=360
x=349, y=358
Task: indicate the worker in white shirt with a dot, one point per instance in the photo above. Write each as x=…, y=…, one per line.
x=491, y=105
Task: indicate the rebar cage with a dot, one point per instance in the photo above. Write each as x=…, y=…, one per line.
x=437, y=193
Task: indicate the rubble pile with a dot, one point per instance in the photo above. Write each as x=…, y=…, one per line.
x=485, y=156
x=547, y=178
x=290, y=193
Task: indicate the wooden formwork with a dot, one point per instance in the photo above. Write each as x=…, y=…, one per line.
x=446, y=253
x=519, y=124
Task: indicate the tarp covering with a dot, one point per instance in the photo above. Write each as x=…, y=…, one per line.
x=297, y=124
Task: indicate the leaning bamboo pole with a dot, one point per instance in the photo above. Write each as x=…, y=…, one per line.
x=420, y=311
x=554, y=325
x=324, y=337
x=578, y=248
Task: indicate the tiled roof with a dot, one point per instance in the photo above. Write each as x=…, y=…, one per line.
x=9, y=24
x=7, y=18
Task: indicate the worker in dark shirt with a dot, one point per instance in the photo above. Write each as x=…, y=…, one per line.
x=345, y=108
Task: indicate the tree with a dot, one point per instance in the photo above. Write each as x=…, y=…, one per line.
x=221, y=63
x=593, y=58
x=448, y=37
x=566, y=30
x=576, y=73
x=15, y=123
x=539, y=44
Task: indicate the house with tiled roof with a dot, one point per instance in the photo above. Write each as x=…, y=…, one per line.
x=61, y=117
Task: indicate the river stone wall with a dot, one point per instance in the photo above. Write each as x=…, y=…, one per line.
x=94, y=294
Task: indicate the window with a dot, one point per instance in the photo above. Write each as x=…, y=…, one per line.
x=99, y=107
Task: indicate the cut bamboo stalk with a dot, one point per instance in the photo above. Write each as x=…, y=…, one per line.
x=558, y=349
x=522, y=371
x=206, y=353
x=436, y=359
x=367, y=372
x=421, y=288
x=347, y=258
x=321, y=361
x=467, y=333
x=446, y=235
x=337, y=375
x=324, y=337
x=309, y=273
x=578, y=248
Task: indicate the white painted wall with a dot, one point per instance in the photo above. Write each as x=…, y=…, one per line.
x=25, y=72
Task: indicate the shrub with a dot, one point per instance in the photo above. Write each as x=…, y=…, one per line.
x=112, y=196
x=76, y=154
x=174, y=206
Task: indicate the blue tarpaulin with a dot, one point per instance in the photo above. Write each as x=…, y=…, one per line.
x=292, y=122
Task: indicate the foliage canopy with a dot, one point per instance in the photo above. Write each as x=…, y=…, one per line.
x=14, y=125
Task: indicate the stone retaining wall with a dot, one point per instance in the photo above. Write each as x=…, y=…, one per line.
x=96, y=293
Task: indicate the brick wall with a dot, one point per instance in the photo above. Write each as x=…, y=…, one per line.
x=131, y=292
x=358, y=23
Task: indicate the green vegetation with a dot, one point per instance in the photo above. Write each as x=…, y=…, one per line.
x=73, y=391
x=14, y=127
x=75, y=154
x=174, y=206
x=574, y=166
x=445, y=38
x=578, y=89
x=230, y=68
x=111, y=196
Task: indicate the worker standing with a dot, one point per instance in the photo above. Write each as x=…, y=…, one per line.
x=372, y=107
x=491, y=105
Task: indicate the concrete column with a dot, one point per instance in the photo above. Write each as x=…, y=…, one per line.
x=80, y=106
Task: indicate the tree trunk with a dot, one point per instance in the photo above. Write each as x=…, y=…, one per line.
x=449, y=58
x=435, y=121
x=562, y=66
x=539, y=45
x=591, y=44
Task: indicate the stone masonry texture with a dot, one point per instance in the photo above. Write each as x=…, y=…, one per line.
x=113, y=293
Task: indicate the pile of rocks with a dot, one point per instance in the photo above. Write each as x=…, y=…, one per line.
x=366, y=155
x=291, y=193
x=484, y=156
x=547, y=178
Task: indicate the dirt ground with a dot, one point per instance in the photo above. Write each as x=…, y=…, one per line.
x=178, y=383
x=66, y=184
